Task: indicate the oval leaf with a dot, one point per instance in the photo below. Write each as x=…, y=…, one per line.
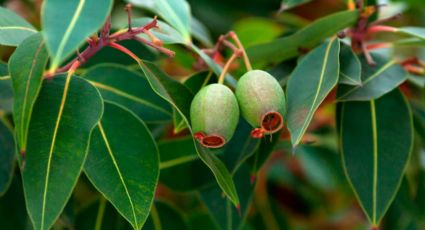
x=130, y=89
x=13, y=28
x=376, y=139
x=376, y=81
x=350, y=67
x=126, y=170
x=180, y=97
x=58, y=138
x=288, y=47
x=177, y=14
x=26, y=70
x=312, y=80
x=67, y=24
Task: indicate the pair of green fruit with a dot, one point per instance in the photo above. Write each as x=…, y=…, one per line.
x=214, y=111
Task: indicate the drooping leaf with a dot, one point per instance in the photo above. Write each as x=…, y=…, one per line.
x=130, y=89
x=180, y=97
x=165, y=32
x=288, y=47
x=376, y=138
x=7, y=155
x=376, y=81
x=226, y=216
x=58, y=138
x=13, y=28
x=125, y=170
x=177, y=14
x=26, y=68
x=67, y=24
x=350, y=67
x=308, y=87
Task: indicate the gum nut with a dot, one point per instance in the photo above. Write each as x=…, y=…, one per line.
x=262, y=102
x=214, y=115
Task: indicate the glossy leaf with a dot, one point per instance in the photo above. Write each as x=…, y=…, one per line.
x=26, y=68
x=13, y=28
x=7, y=154
x=417, y=32
x=177, y=14
x=130, y=89
x=288, y=47
x=350, y=67
x=165, y=32
x=180, y=97
x=125, y=170
x=376, y=81
x=289, y=4
x=67, y=24
x=376, y=139
x=58, y=139
x=308, y=87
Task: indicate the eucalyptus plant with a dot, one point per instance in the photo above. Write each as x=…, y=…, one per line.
x=154, y=124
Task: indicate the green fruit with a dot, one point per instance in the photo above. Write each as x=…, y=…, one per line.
x=262, y=102
x=214, y=114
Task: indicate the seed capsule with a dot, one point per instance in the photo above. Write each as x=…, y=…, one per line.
x=262, y=102
x=214, y=114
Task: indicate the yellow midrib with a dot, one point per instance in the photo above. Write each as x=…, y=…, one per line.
x=108, y=147
x=17, y=28
x=375, y=159
x=52, y=146
x=319, y=87
x=67, y=34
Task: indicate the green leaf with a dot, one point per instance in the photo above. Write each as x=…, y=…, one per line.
x=26, y=70
x=100, y=215
x=125, y=170
x=229, y=79
x=416, y=32
x=288, y=47
x=6, y=95
x=308, y=87
x=67, y=24
x=165, y=33
x=165, y=216
x=289, y=4
x=13, y=28
x=7, y=155
x=376, y=81
x=58, y=138
x=255, y=30
x=200, y=32
x=177, y=14
x=376, y=139
x=350, y=67
x=130, y=89
x=180, y=97
x=181, y=168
